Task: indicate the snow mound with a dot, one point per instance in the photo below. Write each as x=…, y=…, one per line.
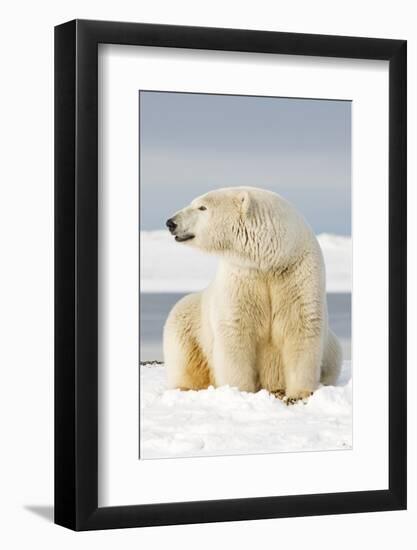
x=167, y=266
x=337, y=252
x=225, y=421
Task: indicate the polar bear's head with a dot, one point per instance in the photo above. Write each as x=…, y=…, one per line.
x=209, y=221
x=244, y=223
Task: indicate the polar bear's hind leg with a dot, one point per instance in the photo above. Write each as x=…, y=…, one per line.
x=332, y=360
x=187, y=368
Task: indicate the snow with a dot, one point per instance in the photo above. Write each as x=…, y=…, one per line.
x=226, y=421
x=167, y=266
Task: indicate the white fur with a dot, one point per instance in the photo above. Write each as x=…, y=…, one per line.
x=262, y=322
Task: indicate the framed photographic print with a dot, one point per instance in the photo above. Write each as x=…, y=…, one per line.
x=230, y=255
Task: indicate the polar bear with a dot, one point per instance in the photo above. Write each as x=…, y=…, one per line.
x=262, y=322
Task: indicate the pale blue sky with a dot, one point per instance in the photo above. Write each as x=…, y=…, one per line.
x=192, y=143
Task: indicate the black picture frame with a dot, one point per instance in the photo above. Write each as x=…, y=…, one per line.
x=76, y=272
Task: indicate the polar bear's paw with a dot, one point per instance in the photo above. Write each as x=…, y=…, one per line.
x=279, y=394
x=294, y=397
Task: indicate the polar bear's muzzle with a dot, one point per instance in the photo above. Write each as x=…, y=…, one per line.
x=173, y=229
x=183, y=238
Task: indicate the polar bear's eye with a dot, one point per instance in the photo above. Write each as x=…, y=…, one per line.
x=202, y=208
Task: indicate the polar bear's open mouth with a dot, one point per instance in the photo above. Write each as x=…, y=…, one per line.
x=183, y=238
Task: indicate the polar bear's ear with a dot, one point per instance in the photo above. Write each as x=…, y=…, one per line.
x=244, y=201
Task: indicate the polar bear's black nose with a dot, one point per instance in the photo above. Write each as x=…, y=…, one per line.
x=171, y=225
